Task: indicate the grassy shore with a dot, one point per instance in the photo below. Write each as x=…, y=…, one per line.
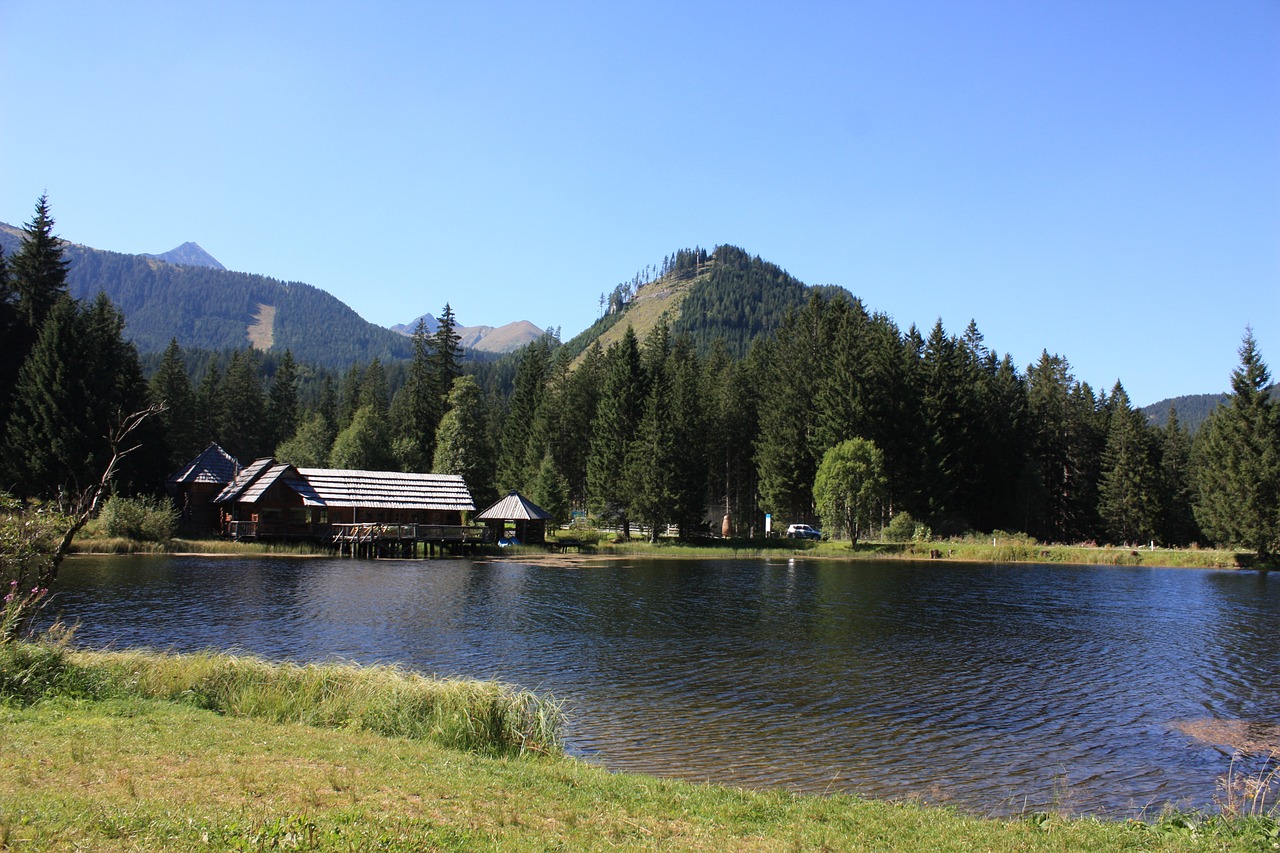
x=977, y=549
x=146, y=752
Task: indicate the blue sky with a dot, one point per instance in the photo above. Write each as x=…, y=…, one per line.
x=1098, y=179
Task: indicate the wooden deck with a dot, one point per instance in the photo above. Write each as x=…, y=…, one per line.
x=403, y=540
x=370, y=539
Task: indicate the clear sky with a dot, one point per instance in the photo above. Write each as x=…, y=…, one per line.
x=1098, y=179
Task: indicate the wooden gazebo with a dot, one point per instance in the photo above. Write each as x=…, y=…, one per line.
x=528, y=519
x=194, y=488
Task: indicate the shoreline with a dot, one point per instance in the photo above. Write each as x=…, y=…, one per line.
x=967, y=551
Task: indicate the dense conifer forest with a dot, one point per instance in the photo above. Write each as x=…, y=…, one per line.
x=761, y=395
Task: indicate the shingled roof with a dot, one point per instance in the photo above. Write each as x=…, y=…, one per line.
x=343, y=487
x=213, y=465
x=514, y=507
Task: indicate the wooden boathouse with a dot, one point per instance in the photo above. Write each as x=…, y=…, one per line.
x=363, y=513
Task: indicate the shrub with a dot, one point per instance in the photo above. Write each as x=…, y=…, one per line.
x=903, y=528
x=147, y=519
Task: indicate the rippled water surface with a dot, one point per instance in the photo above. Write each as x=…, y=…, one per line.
x=996, y=688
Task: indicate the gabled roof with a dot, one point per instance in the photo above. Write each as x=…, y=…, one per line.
x=243, y=480
x=348, y=487
x=514, y=507
x=213, y=465
x=389, y=489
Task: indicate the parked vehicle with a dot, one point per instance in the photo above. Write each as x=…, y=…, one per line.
x=802, y=531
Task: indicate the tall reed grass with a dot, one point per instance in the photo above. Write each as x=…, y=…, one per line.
x=484, y=717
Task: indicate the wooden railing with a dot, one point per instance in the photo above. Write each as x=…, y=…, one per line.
x=379, y=532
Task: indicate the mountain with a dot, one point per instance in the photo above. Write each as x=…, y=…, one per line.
x=190, y=255
x=210, y=308
x=726, y=295
x=502, y=339
x=428, y=321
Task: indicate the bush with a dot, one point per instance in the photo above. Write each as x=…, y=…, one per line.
x=903, y=528
x=146, y=519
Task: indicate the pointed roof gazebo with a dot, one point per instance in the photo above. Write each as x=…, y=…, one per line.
x=530, y=520
x=194, y=487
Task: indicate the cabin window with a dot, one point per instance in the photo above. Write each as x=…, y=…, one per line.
x=299, y=515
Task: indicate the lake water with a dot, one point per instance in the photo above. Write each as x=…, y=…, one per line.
x=997, y=688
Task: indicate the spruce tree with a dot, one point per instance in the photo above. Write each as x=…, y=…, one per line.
x=617, y=416
x=282, y=401
x=39, y=269
x=462, y=441
x=171, y=386
x=1177, y=514
x=242, y=408
x=417, y=408
x=527, y=400
x=1238, y=471
x=1128, y=493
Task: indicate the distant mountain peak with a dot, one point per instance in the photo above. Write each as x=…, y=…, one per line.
x=188, y=255
x=429, y=325
x=483, y=338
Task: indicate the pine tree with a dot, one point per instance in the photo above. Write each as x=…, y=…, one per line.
x=1238, y=471
x=171, y=386
x=1177, y=521
x=282, y=401
x=242, y=407
x=39, y=269
x=527, y=400
x=80, y=379
x=462, y=441
x=417, y=408
x=785, y=451
x=617, y=416
x=1128, y=493
x=651, y=462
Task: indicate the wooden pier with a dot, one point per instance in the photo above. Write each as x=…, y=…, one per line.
x=406, y=540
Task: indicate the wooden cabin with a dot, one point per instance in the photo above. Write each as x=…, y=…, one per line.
x=275, y=500
x=526, y=518
x=194, y=488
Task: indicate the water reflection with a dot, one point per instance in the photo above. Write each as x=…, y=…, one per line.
x=998, y=688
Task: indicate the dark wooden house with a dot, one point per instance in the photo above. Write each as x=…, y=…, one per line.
x=527, y=520
x=194, y=488
x=275, y=500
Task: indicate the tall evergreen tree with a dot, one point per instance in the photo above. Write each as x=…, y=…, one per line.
x=617, y=416
x=517, y=456
x=788, y=412
x=242, y=409
x=171, y=386
x=1128, y=493
x=1177, y=521
x=462, y=442
x=282, y=401
x=79, y=381
x=651, y=466
x=446, y=356
x=1238, y=470
x=417, y=408
x=39, y=269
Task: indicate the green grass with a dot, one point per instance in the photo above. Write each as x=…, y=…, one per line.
x=470, y=715
x=154, y=762
x=983, y=549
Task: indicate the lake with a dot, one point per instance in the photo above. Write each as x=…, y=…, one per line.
x=996, y=688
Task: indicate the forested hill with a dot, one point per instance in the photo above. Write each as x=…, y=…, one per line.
x=726, y=294
x=214, y=309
